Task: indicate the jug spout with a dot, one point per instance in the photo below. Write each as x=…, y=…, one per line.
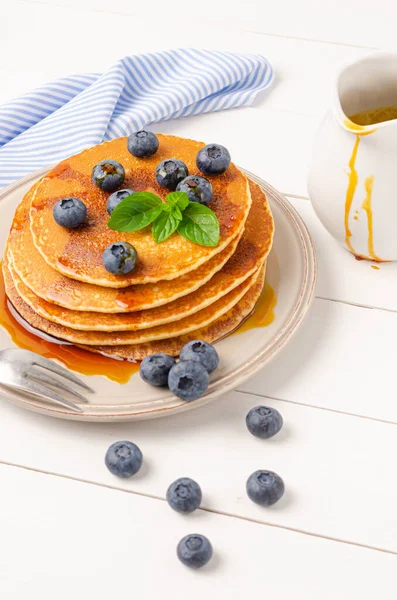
x=366, y=94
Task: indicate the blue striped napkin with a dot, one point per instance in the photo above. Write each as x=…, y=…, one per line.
x=63, y=117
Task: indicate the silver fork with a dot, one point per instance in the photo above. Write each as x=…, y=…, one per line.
x=28, y=373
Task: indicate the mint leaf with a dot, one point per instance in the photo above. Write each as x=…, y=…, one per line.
x=166, y=224
x=135, y=212
x=199, y=225
x=179, y=199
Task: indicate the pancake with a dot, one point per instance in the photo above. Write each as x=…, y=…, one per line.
x=49, y=284
x=211, y=333
x=251, y=251
x=168, y=330
x=78, y=253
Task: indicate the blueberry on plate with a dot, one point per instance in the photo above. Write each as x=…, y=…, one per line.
x=115, y=199
x=188, y=380
x=142, y=144
x=120, y=258
x=194, y=550
x=123, y=459
x=70, y=212
x=154, y=369
x=170, y=172
x=108, y=175
x=197, y=188
x=265, y=487
x=264, y=422
x=213, y=159
x=202, y=352
x=184, y=495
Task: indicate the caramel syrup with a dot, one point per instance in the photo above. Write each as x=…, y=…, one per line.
x=367, y=206
x=372, y=116
x=76, y=359
x=375, y=267
x=357, y=124
x=263, y=313
x=351, y=189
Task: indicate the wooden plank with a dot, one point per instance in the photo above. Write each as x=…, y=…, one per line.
x=340, y=276
x=341, y=358
x=337, y=468
x=355, y=22
x=62, y=536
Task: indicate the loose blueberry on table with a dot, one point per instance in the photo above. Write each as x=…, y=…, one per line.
x=120, y=258
x=202, y=352
x=194, y=550
x=123, y=459
x=188, y=380
x=184, y=495
x=265, y=487
x=170, y=172
x=197, y=188
x=115, y=199
x=142, y=144
x=213, y=159
x=155, y=368
x=108, y=175
x=70, y=212
x=264, y=422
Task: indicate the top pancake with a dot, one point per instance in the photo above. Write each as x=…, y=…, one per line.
x=78, y=253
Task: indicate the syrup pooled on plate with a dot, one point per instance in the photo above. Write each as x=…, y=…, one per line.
x=25, y=336
x=70, y=356
x=263, y=313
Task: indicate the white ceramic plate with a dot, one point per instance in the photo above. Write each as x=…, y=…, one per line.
x=291, y=271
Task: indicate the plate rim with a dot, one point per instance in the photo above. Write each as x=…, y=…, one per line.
x=246, y=369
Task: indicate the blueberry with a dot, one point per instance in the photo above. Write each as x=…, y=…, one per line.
x=188, y=380
x=120, y=258
x=70, y=212
x=115, y=199
x=265, y=487
x=194, y=550
x=264, y=422
x=184, y=495
x=197, y=188
x=108, y=175
x=213, y=159
x=142, y=144
x=155, y=368
x=202, y=352
x=170, y=172
x=123, y=459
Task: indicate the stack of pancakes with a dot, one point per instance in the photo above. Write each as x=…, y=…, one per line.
x=178, y=291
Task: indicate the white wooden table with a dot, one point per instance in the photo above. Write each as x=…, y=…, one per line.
x=68, y=527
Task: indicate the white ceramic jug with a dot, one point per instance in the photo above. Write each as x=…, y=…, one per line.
x=353, y=178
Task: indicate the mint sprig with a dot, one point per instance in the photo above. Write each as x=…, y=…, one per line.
x=196, y=222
